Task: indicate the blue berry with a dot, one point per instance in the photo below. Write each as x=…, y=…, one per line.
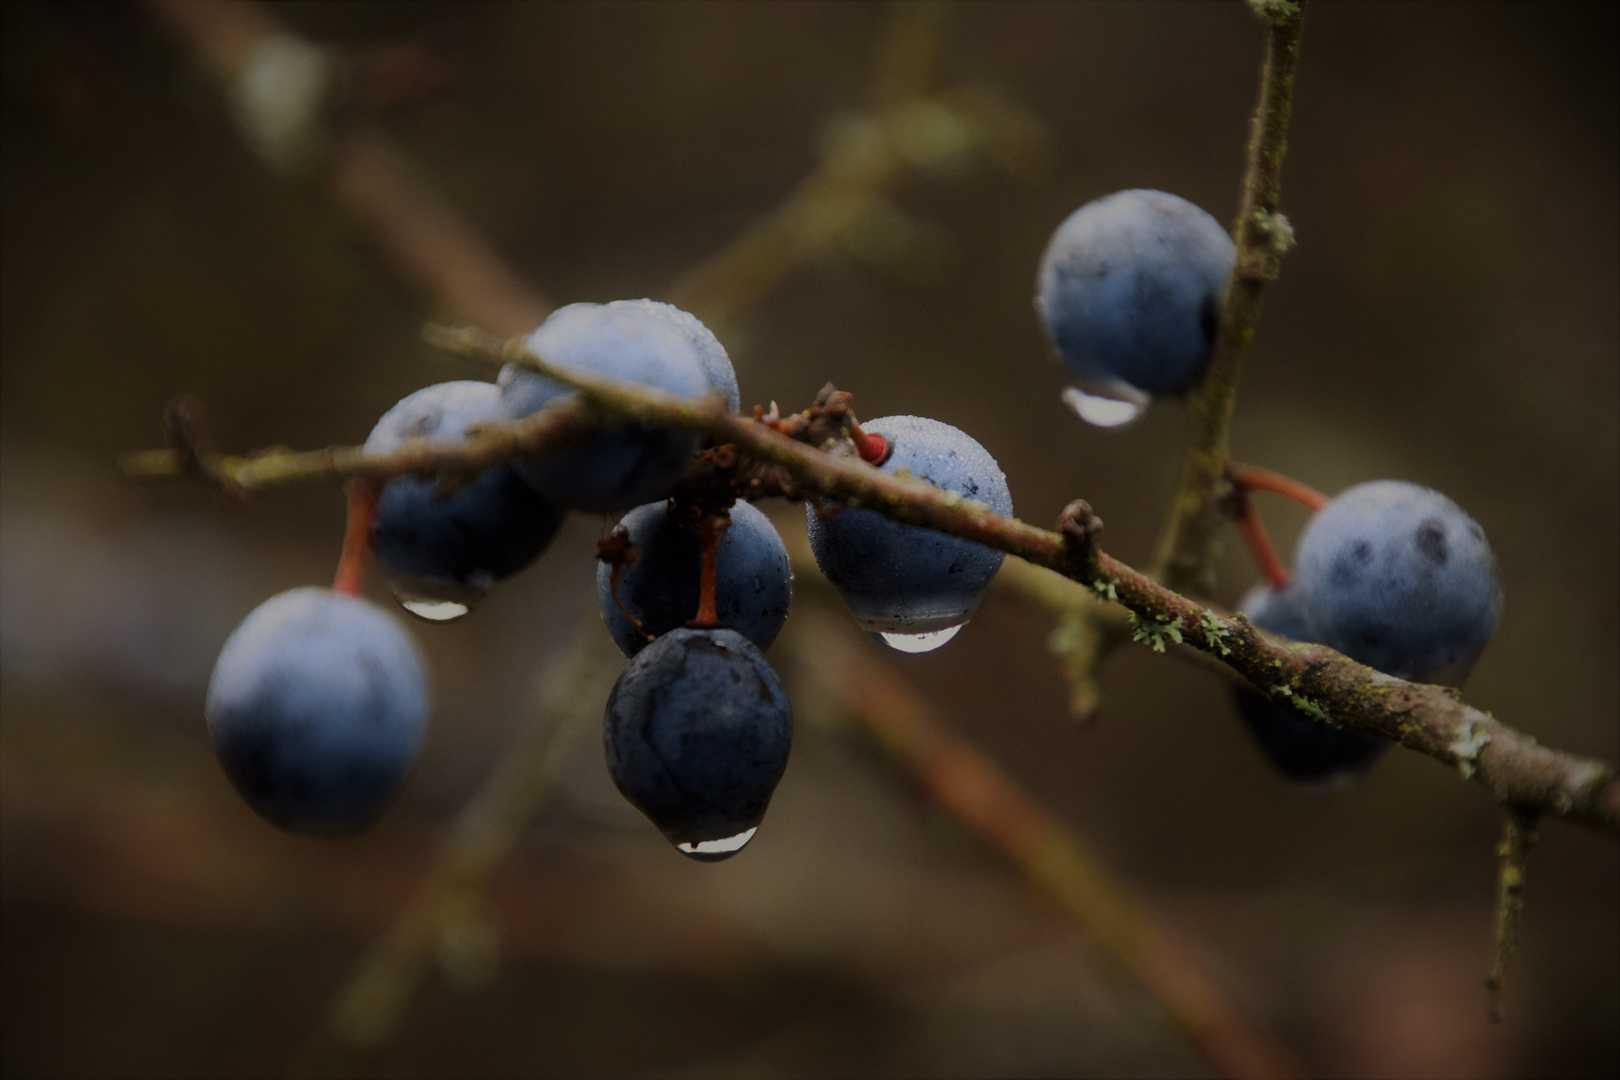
x=753, y=579
x=443, y=552
x=717, y=369
x=1398, y=577
x=1301, y=749
x=1130, y=293
x=316, y=710
x=697, y=734
x=914, y=586
x=626, y=465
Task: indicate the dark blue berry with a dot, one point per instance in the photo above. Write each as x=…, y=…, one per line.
x=1130, y=292
x=697, y=734
x=753, y=579
x=904, y=581
x=1302, y=749
x=316, y=710
x=625, y=465
x=442, y=552
x=1398, y=577
x=717, y=369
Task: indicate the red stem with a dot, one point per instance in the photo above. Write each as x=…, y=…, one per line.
x=1248, y=478
x=1274, y=570
x=870, y=446
x=708, y=618
x=356, y=538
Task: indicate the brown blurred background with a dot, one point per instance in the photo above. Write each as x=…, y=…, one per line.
x=1450, y=317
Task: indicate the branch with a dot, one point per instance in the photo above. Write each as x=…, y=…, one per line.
x=1262, y=235
x=1518, y=835
x=1319, y=682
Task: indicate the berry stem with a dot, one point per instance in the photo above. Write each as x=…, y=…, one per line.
x=714, y=527
x=1247, y=478
x=1272, y=567
x=356, y=537
x=870, y=446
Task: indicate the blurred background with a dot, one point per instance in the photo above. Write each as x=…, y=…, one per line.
x=1450, y=317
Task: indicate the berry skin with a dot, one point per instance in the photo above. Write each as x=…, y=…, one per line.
x=623, y=466
x=697, y=734
x=454, y=547
x=316, y=709
x=1399, y=578
x=753, y=579
x=904, y=579
x=1130, y=293
x=1303, y=750
x=717, y=369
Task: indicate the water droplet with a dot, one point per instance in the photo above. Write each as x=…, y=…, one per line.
x=432, y=600
x=1102, y=411
x=715, y=850
x=920, y=643
x=435, y=610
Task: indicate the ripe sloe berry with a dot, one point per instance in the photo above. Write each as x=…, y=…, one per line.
x=622, y=466
x=316, y=710
x=1398, y=577
x=753, y=581
x=1304, y=751
x=697, y=734
x=1130, y=293
x=717, y=369
x=443, y=552
x=904, y=580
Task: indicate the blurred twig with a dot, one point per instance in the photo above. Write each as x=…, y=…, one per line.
x=1518, y=835
x=1050, y=855
x=444, y=921
x=1262, y=235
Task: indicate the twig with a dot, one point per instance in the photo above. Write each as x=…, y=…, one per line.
x=1518, y=835
x=373, y=1002
x=1319, y=682
x=1051, y=856
x=1262, y=235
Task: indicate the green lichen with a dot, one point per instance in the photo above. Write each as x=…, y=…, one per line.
x=1277, y=229
x=1214, y=632
x=1153, y=634
x=1105, y=591
x=1466, y=747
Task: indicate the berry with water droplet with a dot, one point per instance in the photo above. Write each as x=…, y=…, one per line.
x=317, y=709
x=1400, y=578
x=906, y=580
x=1129, y=292
x=697, y=734
x=627, y=464
x=442, y=551
x=660, y=589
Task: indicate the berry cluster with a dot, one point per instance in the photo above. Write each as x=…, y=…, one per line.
x=318, y=703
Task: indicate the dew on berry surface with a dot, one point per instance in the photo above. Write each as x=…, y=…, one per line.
x=920, y=643
x=715, y=850
x=434, y=601
x=1101, y=411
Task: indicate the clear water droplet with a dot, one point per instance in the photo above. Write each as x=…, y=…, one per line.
x=432, y=600
x=715, y=850
x=920, y=643
x=1102, y=411
x=435, y=610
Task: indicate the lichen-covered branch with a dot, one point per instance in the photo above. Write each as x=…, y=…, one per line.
x=1317, y=681
x=1262, y=235
x=1518, y=836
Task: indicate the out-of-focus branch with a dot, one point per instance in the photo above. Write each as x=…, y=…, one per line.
x=280, y=86
x=1262, y=235
x=1049, y=855
x=1518, y=835
x=444, y=922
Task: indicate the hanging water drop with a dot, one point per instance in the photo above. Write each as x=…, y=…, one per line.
x=920, y=643
x=1102, y=411
x=434, y=601
x=716, y=850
